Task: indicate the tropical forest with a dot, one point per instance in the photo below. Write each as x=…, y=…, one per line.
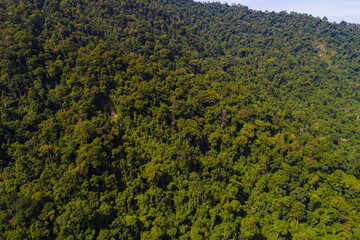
x=176, y=119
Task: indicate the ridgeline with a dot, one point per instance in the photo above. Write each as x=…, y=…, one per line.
x=164, y=119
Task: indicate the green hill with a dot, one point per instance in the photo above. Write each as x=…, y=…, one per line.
x=173, y=119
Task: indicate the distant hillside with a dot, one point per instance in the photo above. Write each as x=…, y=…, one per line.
x=170, y=119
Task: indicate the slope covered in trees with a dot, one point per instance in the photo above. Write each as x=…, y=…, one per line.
x=176, y=120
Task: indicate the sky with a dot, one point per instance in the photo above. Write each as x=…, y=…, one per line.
x=334, y=10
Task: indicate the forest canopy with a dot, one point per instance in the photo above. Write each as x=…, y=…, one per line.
x=164, y=119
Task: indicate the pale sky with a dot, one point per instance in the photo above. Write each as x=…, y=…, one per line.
x=334, y=10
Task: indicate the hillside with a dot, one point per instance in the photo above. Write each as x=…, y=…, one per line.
x=164, y=119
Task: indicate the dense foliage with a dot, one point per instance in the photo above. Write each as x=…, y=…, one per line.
x=165, y=119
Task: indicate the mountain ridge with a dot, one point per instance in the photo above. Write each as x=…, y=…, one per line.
x=176, y=120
